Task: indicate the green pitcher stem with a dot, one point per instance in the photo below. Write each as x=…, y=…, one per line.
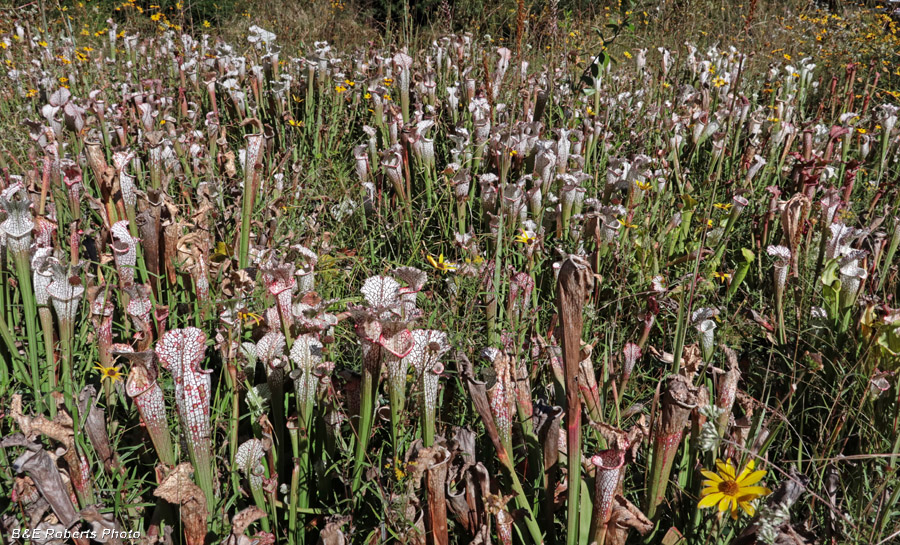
x=522, y=503
x=46, y=316
x=66, y=334
x=573, y=502
x=246, y=210
x=293, y=536
x=664, y=450
x=203, y=472
x=396, y=400
x=428, y=427
x=367, y=408
x=23, y=273
x=260, y=500
x=303, y=446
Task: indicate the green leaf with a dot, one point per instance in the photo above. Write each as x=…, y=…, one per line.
x=830, y=274
x=832, y=295
x=889, y=339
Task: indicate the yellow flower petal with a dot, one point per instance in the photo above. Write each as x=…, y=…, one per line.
x=726, y=469
x=710, y=490
x=752, y=478
x=754, y=491
x=747, y=470
x=747, y=508
x=723, y=505
x=709, y=501
x=711, y=476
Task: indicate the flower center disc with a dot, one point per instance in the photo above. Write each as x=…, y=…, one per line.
x=729, y=488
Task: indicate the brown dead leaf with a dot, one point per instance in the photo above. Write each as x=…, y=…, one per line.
x=59, y=429
x=240, y=523
x=178, y=488
x=228, y=157
x=40, y=467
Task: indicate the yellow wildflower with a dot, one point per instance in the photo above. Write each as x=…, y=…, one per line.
x=731, y=491
x=527, y=237
x=440, y=264
x=109, y=373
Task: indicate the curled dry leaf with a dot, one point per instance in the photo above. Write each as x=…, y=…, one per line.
x=39, y=466
x=435, y=483
x=478, y=394
x=626, y=517
x=104, y=526
x=95, y=426
x=59, y=429
x=179, y=489
x=332, y=533
x=239, y=525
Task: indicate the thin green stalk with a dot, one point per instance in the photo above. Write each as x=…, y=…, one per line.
x=892, y=250
x=493, y=321
x=779, y=307
x=574, y=468
x=428, y=427
x=367, y=412
x=246, y=210
x=663, y=458
x=260, y=500
x=305, y=425
x=234, y=418
x=429, y=187
x=461, y=216
x=522, y=502
x=293, y=536
x=10, y=342
x=203, y=471
x=680, y=332
x=396, y=404
x=23, y=273
x=66, y=337
x=46, y=316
